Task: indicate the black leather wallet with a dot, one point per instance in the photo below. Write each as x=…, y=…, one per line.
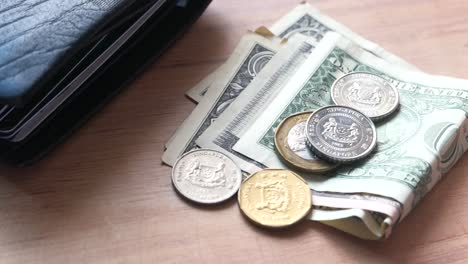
x=61, y=60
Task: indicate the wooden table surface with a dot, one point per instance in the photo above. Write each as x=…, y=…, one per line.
x=105, y=197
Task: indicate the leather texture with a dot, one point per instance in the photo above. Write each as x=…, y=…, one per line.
x=149, y=42
x=38, y=36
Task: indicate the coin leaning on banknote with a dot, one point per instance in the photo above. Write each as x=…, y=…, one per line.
x=275, y=198
x=291, y=145
x=366, y=92
x=206, y=176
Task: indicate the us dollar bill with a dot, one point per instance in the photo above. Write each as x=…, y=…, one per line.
x=416, y=146
x=304, y=19
x=307, y=20
x=197, y=92
x=357, y=222
x=253, y=52
x=364, y=201
x=364, y=215
x=223, y=133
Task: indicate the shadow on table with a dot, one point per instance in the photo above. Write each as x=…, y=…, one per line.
x=426, y=224
x=46, y=198
x=104, y=154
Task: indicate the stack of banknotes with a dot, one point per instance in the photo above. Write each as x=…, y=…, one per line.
x=290, y=67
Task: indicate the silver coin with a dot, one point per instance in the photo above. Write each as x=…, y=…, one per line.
x=366, y=92
x=206, y=176
x=340, y=134
x=297, y=142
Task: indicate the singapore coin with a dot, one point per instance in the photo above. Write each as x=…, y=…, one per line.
x=369, y=93
x=206, y=176
x=291, y=145
x=275, y=198
x=340, y=134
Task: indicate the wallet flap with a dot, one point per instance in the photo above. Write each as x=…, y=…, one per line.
x=39, y=37
x=148, y=42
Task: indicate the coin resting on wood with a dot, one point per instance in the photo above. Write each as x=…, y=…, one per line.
x=274, y=198
x=206, y=176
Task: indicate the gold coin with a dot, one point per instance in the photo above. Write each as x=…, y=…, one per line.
x=291, y=144
x=275, y=198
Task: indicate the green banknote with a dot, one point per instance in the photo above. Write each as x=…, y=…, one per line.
x=309, y=21
x=416, y=146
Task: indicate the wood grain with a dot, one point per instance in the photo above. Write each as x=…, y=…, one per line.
x=104, y=197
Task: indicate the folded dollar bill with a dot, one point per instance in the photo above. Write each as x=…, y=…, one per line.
x=231, y=125
x=309, y=21
x=201, y=88
x=251, y=55
x=416, y=146
x=266, y=79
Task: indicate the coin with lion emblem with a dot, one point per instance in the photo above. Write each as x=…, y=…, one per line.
x=206, y=176
x=340, y=134
x=291, y=145
x=275, y=198
x=371, y=94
